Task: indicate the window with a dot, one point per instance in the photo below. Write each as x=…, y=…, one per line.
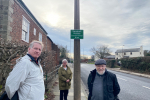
x=25, y=29
x=40, y=37
x=116, y=53
x=130, y=53
x=124, y=53
x=34, y=31
x=140, y=53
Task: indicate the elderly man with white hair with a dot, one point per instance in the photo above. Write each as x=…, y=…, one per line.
x=102, y=84
x=65, y=76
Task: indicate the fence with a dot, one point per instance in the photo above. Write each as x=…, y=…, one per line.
x=48, y=77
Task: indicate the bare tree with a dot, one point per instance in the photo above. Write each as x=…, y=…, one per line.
x=63, y=51
x=101, y=51
x=92, y=57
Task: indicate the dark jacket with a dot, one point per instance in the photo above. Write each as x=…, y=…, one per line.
x=111, y=87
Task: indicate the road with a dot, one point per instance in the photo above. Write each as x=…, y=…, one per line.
x=132, y=87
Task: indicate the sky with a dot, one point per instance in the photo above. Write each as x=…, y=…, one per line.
x=114, y=23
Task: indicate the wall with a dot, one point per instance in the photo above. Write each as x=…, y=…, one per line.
x=57, y=52
x=49, y=42
x=6, y=11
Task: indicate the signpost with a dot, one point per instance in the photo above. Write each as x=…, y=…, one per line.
x=77, y=72
x=76, y=34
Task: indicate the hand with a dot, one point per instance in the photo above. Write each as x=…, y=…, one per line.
x=67, y=80
x=116, y=98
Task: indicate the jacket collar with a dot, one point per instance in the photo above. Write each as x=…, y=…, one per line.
x=32, y=59
x=62, y=65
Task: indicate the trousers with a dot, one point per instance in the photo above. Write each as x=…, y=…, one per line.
x=63, y=94
x=5, y=97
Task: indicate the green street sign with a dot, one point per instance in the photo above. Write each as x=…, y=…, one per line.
x=76, y=34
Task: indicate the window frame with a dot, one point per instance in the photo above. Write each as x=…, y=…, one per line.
x=40, y=36
x=34, y=31
x=25, y=29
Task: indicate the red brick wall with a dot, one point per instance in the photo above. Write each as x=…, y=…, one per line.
x=16, y=25
x=57, y=53
x=49, y=46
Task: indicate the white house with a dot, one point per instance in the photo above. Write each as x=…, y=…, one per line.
x=96, y=58
x=128, y=53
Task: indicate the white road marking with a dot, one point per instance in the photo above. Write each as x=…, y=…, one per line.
x=146, y=87
x=121, y=78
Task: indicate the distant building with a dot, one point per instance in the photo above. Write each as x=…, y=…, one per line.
x=96, y=58
x=110, y=57
x=128, y=53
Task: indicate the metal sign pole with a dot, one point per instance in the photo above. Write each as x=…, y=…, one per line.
x=77, y=74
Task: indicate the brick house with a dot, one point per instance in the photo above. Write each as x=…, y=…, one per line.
x=19, y=24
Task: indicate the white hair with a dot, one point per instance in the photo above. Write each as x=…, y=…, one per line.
x=64, y=60
x=35, y=41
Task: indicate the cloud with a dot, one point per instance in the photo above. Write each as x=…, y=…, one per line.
x=105, y=22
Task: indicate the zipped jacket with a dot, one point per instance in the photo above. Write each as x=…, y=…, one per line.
x=111, y=87
x=26, y=78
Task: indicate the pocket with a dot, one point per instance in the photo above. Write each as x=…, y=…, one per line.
x=63, y=84
x=110, y=87
x=25, y=90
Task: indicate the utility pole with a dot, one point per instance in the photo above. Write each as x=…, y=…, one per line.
x=122, y=51
x=77, y=74
x=83, y=53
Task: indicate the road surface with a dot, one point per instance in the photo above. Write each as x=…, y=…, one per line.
x=132, y=87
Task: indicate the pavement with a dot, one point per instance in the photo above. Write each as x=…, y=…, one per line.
x=56, y=90
x=129, y=72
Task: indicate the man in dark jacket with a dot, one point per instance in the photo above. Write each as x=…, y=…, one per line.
x=102, y=84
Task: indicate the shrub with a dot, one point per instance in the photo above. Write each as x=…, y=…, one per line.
x=141, y=64
x=111, y=63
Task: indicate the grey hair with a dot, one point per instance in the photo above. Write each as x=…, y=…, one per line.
x=35, y=41
x=64, y=60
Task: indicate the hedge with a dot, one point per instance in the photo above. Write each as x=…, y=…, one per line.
x=140, y=64
x=111, y=63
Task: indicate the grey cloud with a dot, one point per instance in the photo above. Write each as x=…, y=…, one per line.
x=111, y=22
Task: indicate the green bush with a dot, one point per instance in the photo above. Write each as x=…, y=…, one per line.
x=111, y=63
x=141, y=64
